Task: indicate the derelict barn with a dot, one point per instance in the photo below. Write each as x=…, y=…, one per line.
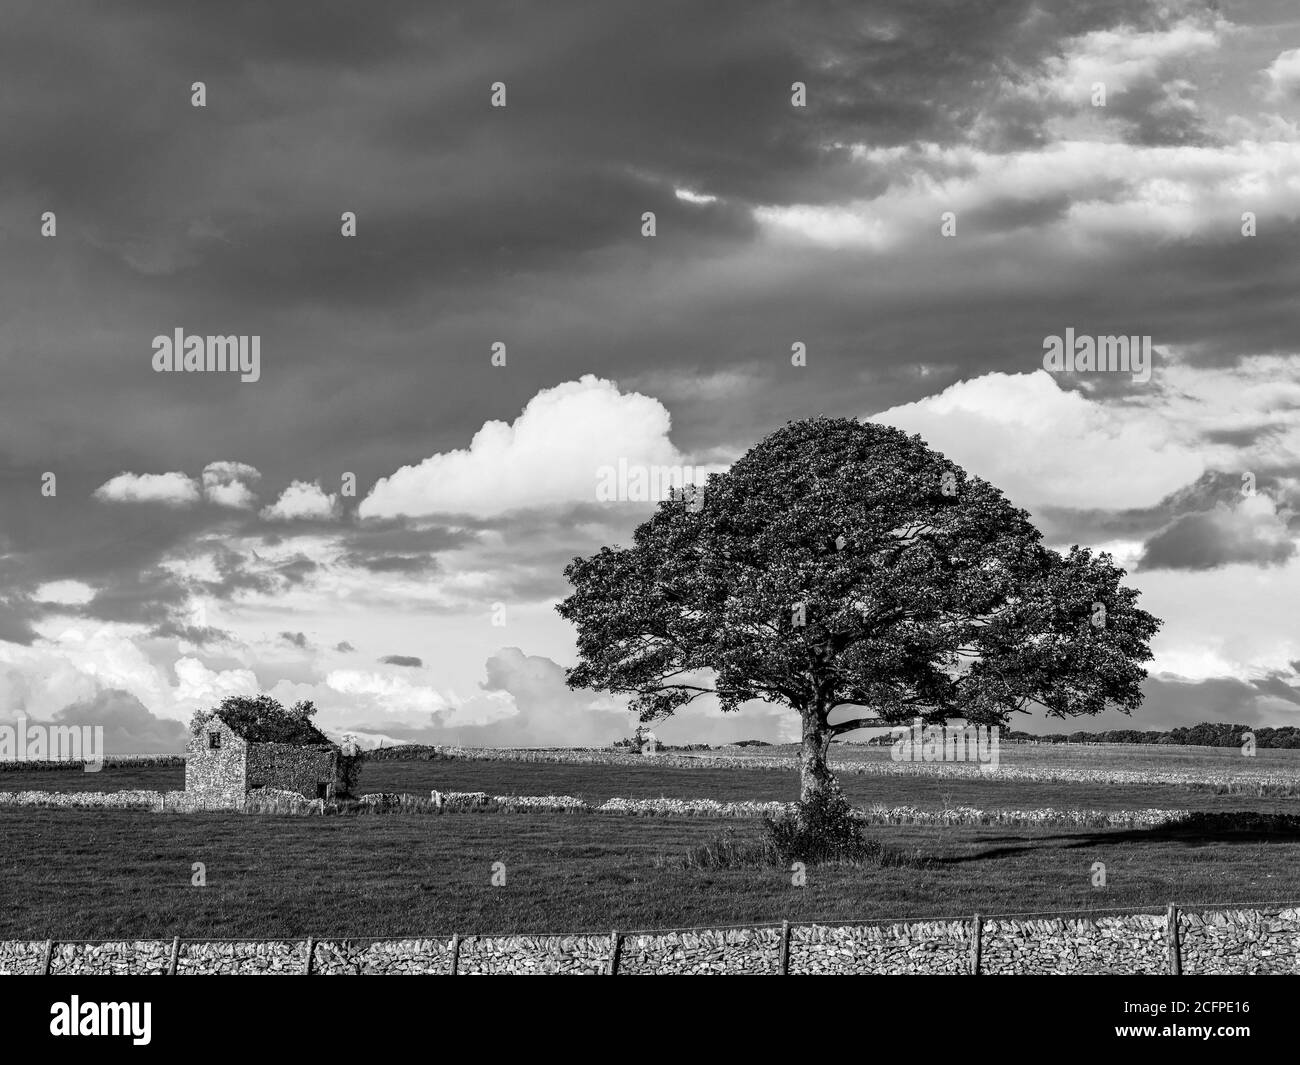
x=224, y=762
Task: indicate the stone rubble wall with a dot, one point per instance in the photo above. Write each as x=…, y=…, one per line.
x=1259, y=772
x=577, y=955
x=21, y=958
x=1131, y=944
x=215, y=798
x=1241, y=941
x=933, y=947
x=736, y=952
x=1211, y=942
x=249, y=958
x=149, y=958
x=387, y=957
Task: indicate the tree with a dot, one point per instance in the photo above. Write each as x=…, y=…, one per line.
x=846, y=565
x=351, y=758
x=263, y=719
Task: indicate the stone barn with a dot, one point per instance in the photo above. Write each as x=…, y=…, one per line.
x=224, y=762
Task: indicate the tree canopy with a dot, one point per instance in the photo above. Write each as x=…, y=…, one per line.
x=262, y=719
x=845, y=565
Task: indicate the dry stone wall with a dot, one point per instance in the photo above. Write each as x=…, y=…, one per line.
x=736, y=952
x=578, y=955
x=251, y=958
x=18, y=958
x=388, y=957
x=1241, y=941
x=1212, y=942
x=1131, y=944
x=935, y=947
x=148, y=957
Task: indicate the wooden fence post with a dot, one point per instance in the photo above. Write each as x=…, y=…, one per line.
x=1171, y=938
x=976, y=944
x=785, y=948
x=311, y=952
x=48, y=960
x=615, y=943
x=176, y=952
x=455, y=953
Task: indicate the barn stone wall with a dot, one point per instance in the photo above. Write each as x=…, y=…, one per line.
x=216, y=777
x=291, y=768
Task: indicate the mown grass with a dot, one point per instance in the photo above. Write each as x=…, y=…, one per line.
x=104, y=874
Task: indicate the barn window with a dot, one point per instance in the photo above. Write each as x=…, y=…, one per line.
x=322, y=789
x=214, y=741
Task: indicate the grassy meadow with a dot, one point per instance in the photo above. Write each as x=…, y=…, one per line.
x=109, y=873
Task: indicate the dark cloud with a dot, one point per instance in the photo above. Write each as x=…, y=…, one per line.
x=235, y=574
x=1191, y=515
x=393, y=537
x=392, y=563
x=129, y=727
x=298, y=639
x=196, y=634
x=296, y=570
x=477, y=224
x=16, y=617
x=1172, y=703
x=150, y=596
x=344, y=646
x=1215, y=538
x=1161, y=109
x=1245, y=436
x=1279, y=685
x=402, y=660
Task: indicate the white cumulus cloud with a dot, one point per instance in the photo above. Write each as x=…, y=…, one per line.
x=550, y=454
x=1283, y=76
x=65, y=593
x=1043, y=445
x=197, y=683
x=173, y=489
x=301, y=500
x=228, y=484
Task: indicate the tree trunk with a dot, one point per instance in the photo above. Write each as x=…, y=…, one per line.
x=815, y=777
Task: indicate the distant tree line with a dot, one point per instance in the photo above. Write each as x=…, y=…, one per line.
x=1206, y=734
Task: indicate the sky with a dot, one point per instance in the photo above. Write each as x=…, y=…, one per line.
x=379, y=522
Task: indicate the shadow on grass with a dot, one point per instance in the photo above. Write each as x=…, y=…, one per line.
x=1198, y=830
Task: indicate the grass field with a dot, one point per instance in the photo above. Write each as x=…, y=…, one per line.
x=72, y=875
x=102, y=874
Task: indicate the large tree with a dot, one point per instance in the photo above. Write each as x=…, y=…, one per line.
x=849, y=572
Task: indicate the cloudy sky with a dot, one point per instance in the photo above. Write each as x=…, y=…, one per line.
x=199, y=538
